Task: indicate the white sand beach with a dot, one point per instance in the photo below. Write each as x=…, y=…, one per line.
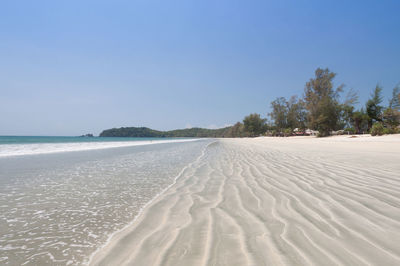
x=273, y=201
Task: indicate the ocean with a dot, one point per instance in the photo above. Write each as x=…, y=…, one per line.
x=29, y=145
x=61, y=198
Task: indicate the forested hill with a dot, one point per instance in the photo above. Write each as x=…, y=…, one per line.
x=189, y=132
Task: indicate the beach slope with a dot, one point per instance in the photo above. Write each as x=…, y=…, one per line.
x=273, y=201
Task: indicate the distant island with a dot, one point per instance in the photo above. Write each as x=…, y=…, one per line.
x=89, y=135
x=138, y=132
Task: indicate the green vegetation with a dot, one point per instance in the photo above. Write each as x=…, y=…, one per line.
x=373, y=107
x=359, y=119
x=377, y=129
x=322, y=102
x=391, y=115
x=138, y=132
x=321, y=109
x=199, y=133
x=254, y=125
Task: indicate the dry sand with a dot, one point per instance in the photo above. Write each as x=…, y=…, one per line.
x=274, y=201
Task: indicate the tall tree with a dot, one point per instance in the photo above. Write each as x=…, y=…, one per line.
x=254, y=125
x=236, y=131
x=394, y=102
x=279, y=113
x=297, y=113
x=322, y=102
x=348, y=108
x=373, y=107
x=359, y=120
x=391, y=115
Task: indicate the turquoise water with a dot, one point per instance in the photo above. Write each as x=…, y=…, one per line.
x=30, y=145
x=57, y=139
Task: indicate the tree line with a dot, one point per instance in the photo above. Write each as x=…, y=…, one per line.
x=140, y=132
x=323, y=108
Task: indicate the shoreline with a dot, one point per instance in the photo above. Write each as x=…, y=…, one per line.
x=236, y=171
x=108, y=243
x=11, y=150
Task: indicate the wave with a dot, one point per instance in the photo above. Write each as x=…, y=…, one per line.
x=8, y=150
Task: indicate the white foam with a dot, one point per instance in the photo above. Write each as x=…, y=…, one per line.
x=7, y=150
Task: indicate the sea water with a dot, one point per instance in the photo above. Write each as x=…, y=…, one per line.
x=26, y=145
x=59, y=204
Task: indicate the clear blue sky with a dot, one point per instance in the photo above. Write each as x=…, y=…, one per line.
x=73, y=67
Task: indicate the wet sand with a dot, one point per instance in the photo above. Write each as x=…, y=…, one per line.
x=273, y=201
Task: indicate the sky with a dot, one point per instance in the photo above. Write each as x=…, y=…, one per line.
x=74, y=67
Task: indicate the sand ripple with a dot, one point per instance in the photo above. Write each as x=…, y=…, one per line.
x=262, y=202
